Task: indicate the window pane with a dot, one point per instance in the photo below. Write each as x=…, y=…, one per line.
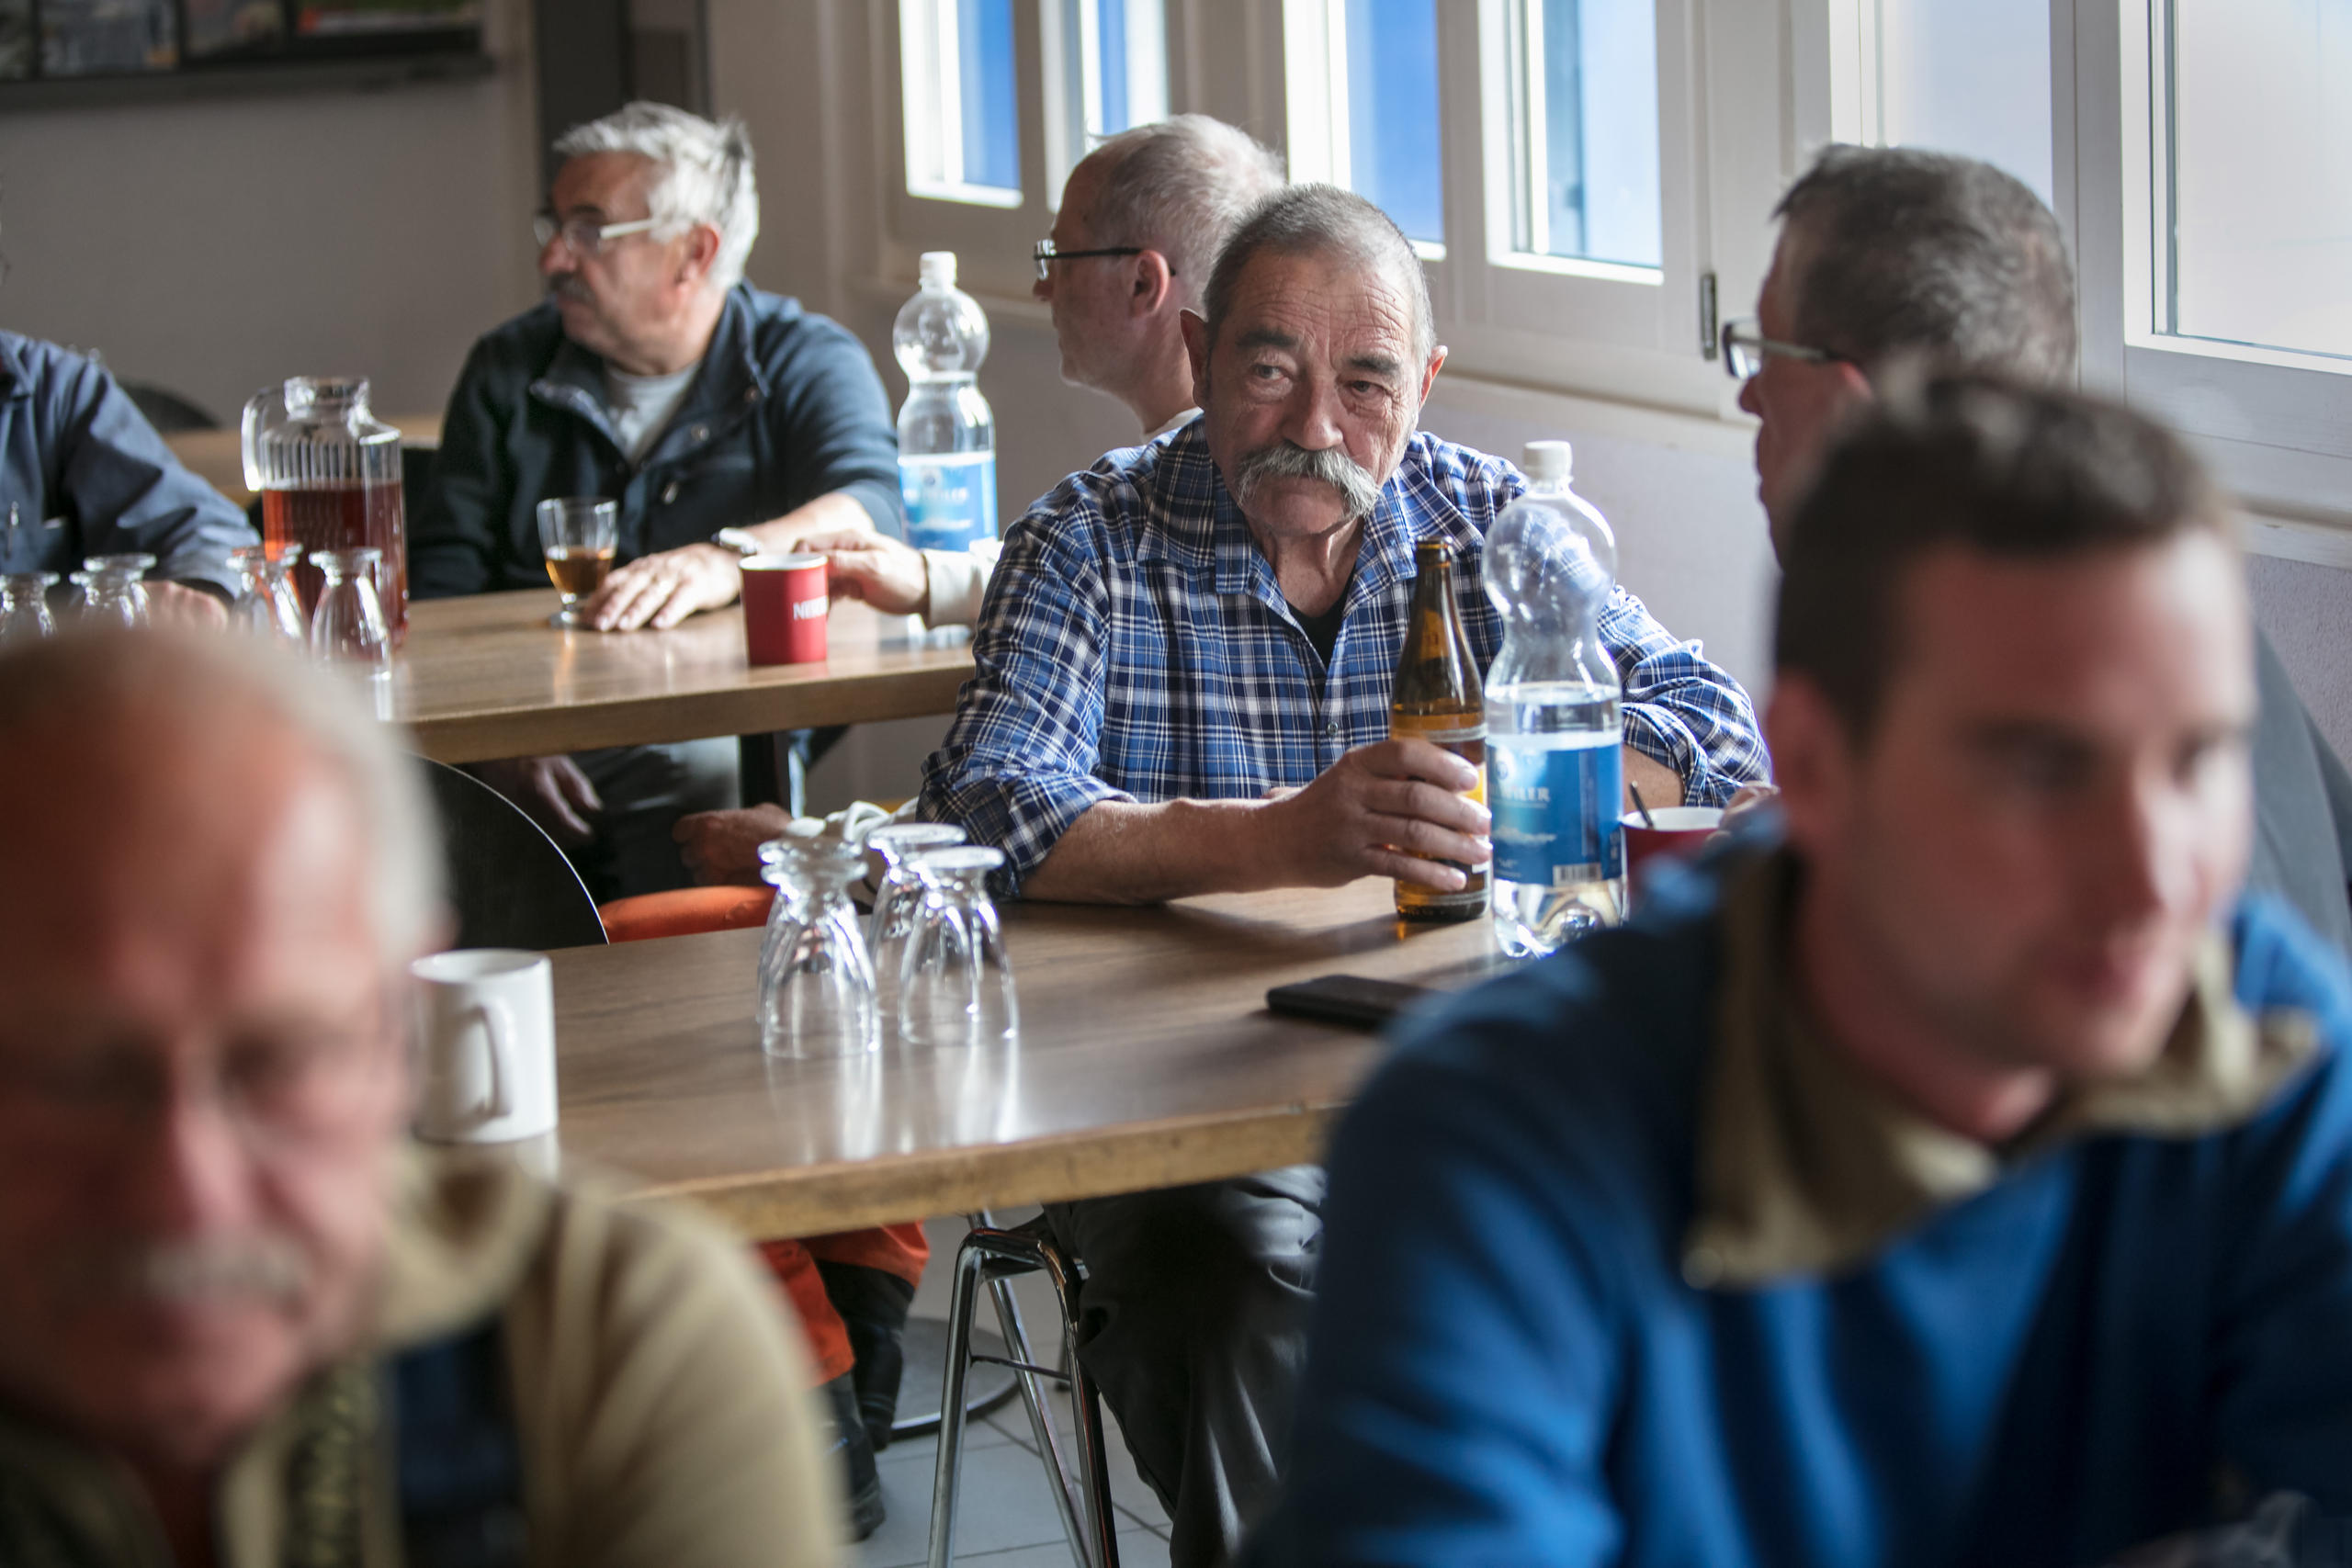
x=1969, y=76
x=962, y=122
x=2261, y=141
x=1394, y=157
x=991, y=120
x=1116, y=66
x=1584, y=80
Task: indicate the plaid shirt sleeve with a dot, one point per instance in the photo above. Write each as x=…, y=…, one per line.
x=1017, y=766
x=1681, y=710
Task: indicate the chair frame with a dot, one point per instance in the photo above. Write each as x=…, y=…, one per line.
x=1082, y=1484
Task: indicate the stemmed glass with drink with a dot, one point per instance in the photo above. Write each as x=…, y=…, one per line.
x=577, y=535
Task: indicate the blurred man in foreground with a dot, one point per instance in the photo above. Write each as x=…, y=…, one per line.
x=243, y=1319
x=1959, y=1181
x=1892, y=256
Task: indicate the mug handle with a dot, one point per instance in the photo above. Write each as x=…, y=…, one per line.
x=498, y=1030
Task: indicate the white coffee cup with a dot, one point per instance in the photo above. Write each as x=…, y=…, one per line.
x=485, y=1024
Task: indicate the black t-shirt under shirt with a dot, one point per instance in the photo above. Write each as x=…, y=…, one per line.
x=1323, y=630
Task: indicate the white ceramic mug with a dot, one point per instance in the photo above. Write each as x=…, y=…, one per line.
x=485, y=1021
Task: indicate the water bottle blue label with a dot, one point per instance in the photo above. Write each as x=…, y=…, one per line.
x=1556, y=812
x=951, y=500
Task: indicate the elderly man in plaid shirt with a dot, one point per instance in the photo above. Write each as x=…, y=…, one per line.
x=1182, y=687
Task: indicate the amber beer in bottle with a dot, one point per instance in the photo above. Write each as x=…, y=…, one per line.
x=1437, y=699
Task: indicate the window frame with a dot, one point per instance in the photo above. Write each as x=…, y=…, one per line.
x=2278, y=435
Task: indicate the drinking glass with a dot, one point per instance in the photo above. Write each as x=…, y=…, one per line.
x=266, y=603
x=24, y=606
x=348, y=627
x=816, y=980
x=956, y=988
x=576, y=535
x=898, y=897
x=111, y=589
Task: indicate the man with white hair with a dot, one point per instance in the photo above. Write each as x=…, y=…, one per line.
x=243, y=1319
x=653, y=375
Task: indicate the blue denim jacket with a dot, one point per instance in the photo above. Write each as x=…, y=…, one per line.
x=787, y=407
x=73, y=445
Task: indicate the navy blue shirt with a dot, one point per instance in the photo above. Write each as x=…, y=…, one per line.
x=785, y=408
x=73, y=445
x=1508, y=1364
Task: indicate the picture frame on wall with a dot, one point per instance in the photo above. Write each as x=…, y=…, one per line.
x=108, y=38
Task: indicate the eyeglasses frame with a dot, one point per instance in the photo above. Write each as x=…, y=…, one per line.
x=1045, y=256
x=548, y=229
x=1743, y=335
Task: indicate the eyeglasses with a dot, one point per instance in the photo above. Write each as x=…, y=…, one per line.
x=582, y=235
x=1745, y=348
x=1047, y=257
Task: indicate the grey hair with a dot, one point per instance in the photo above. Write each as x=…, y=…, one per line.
x=1307, y=220
x=705, y=174
x=1903, y=251
x=1180, y=187
x=88, y=675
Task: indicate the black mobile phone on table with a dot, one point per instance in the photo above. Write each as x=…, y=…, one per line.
x=1345, y=998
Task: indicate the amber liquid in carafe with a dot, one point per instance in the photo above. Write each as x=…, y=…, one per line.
x=342, y=517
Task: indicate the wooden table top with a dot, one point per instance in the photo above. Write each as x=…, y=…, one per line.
x=218, y=456
x=486, y=676
x=1145, y=1058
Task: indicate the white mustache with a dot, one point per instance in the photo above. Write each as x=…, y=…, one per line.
x=1357, y=488
x=266, y=1267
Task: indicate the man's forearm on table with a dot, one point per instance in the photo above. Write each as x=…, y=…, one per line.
x=835, y=509
x=1124, y=853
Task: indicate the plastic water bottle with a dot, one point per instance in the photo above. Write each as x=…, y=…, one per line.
x=946, y=433
x=1554, y=776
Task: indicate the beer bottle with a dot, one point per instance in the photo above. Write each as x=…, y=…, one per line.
x=1437, y=699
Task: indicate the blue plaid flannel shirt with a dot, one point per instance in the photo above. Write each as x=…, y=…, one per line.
x=1134, y=646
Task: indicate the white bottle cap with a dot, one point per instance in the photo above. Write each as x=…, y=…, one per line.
x=938, y=269
x=1548, y=460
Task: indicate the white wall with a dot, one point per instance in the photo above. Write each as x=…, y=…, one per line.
x=213, y=245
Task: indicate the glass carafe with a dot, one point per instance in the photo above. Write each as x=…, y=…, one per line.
x=114, y=589
x=267, y=605
x=24, y=606
x=816, y=980
x=329, y=476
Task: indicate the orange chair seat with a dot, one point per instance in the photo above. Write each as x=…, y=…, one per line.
x=685, y=912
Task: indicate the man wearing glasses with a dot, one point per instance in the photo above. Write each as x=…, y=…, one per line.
x=654, y=375
x=1891, y=254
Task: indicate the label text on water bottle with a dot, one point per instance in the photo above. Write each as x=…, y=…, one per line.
x=1555, y=810
x=951, y=498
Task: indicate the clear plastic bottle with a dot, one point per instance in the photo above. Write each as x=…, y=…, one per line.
x=1554, y=775
x=946, y=433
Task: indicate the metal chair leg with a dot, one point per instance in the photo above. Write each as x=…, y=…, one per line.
x=1082, y=1489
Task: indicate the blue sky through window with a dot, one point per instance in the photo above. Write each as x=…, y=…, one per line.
x=991, y=112
x=1395, y=156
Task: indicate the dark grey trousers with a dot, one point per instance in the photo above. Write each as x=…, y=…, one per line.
x=1193, y=1325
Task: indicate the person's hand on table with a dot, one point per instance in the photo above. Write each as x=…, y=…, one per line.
x=863, y=564
x=1391, y=808
x=662, y=589
x=721, y=847
x=553, y=792
x=177, y=604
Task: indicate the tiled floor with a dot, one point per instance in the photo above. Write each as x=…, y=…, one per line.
x=1005, y=1516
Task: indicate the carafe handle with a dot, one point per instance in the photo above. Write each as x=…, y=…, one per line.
x=257, y=411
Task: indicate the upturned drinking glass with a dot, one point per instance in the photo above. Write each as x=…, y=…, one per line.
x=956, y=982
x=816, y=979
x=348, y=629
x=898, y=897
x=112, y=589
x=267, y=605
x=24, y=606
